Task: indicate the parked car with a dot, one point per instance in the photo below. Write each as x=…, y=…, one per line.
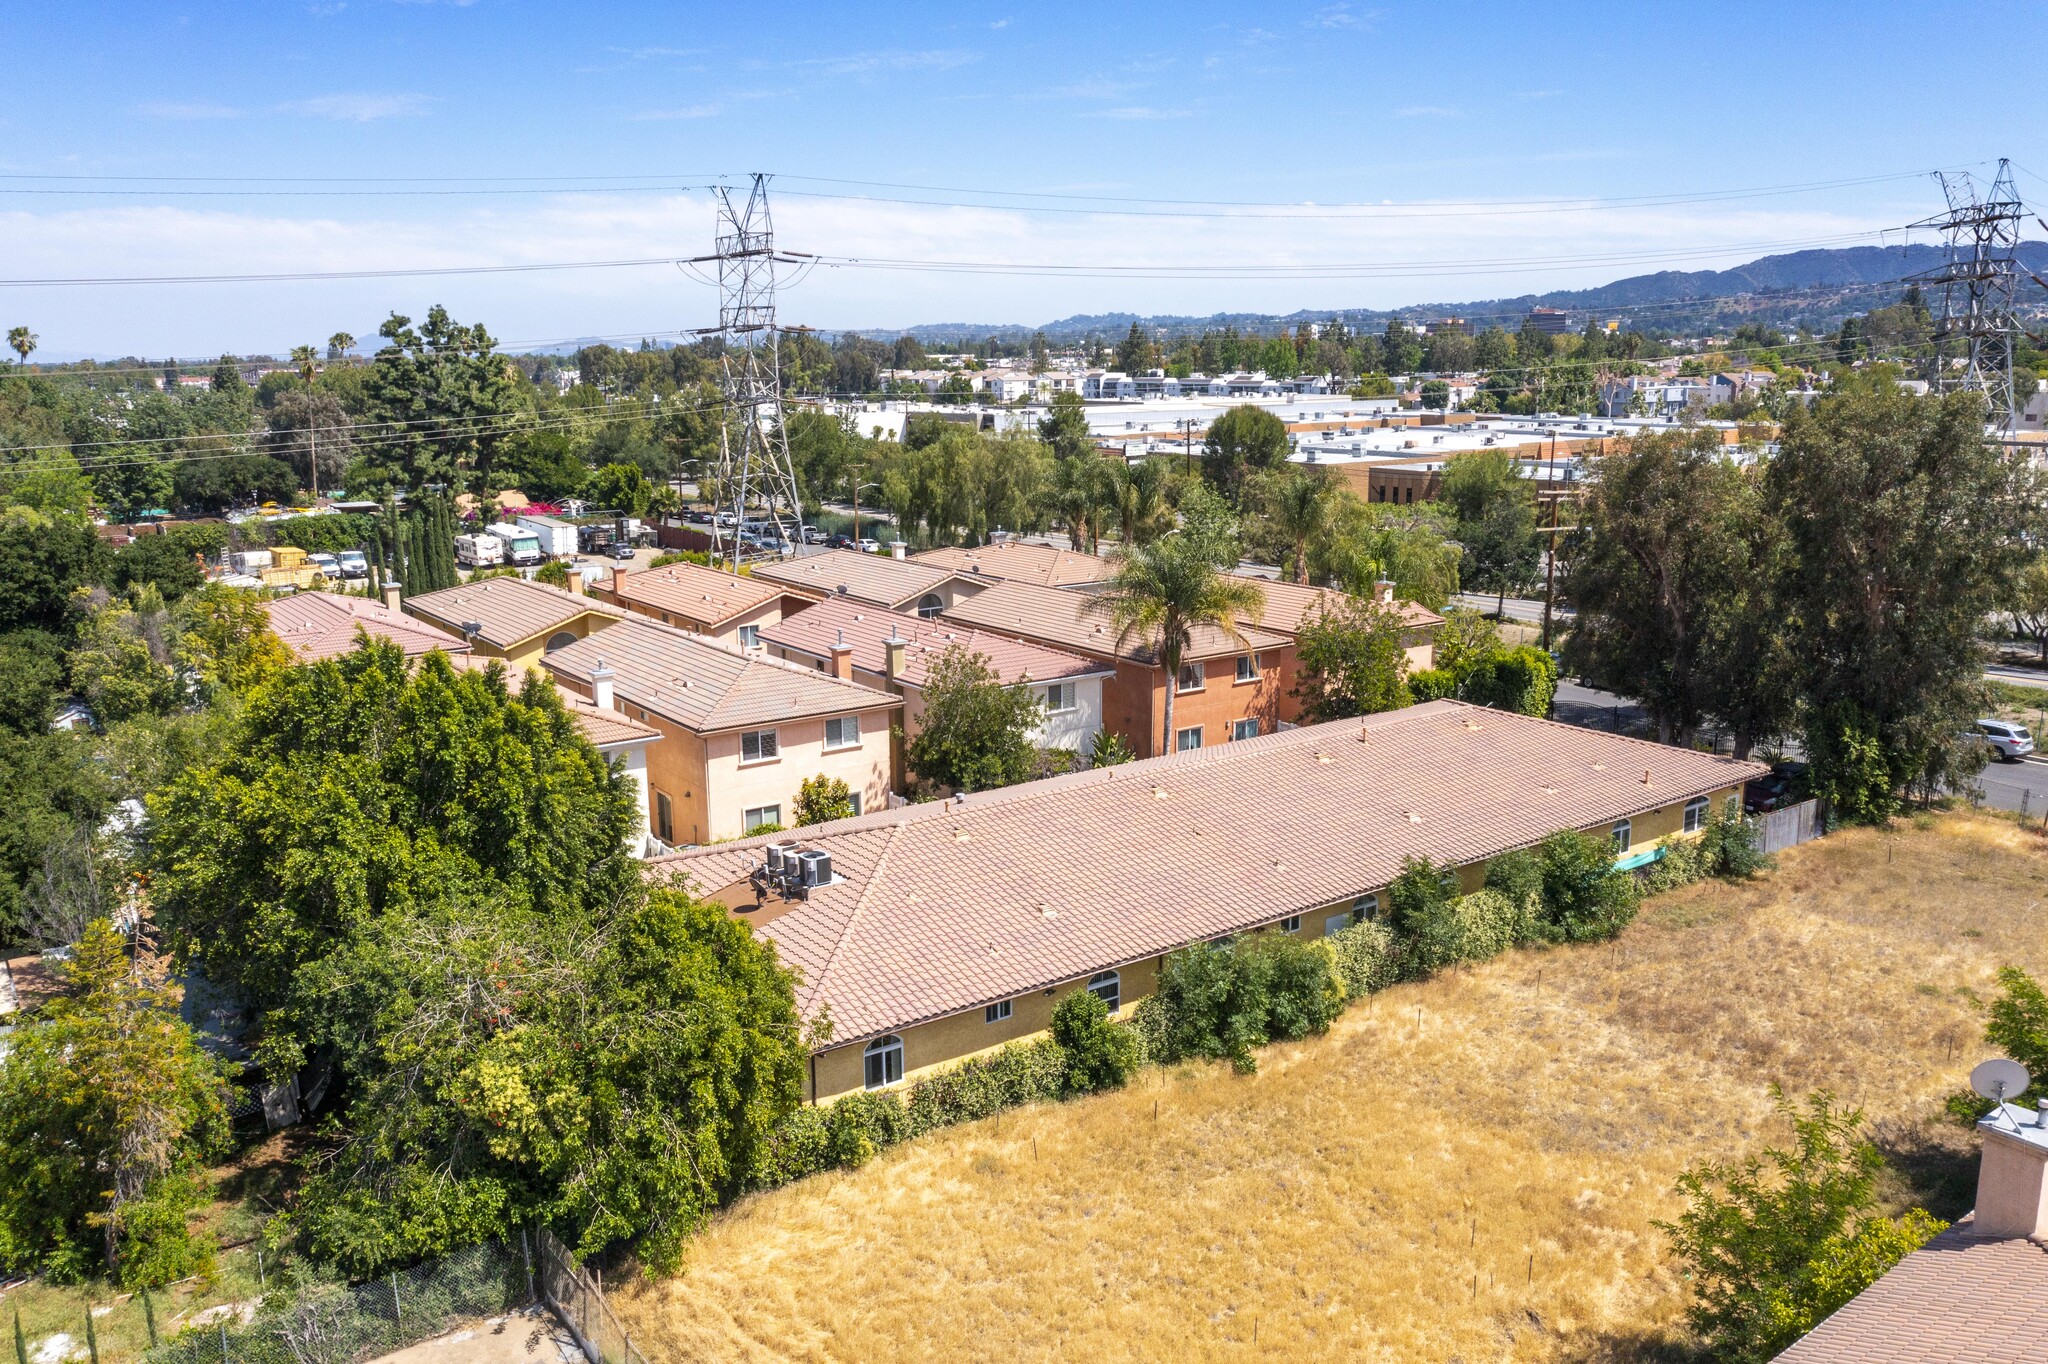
x=814, y=535
x=839, y=542
x=867, y=546
x=326, y=563
x=1783, y=785
x=697, y=517
x=2010, y=741
x=354, y=564
x=619, y=549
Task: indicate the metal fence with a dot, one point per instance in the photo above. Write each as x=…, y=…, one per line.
x=349, y=1323
x=579, y=1301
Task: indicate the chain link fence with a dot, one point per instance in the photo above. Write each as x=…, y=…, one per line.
x=579, y=1301
x=350, y=1323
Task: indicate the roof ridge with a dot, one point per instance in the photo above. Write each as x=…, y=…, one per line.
x=874, y=879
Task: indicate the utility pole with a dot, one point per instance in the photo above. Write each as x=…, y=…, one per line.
x=1977, y=325
x=857, y=470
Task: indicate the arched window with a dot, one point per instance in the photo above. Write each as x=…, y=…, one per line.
x=929, y=605
x=1622, y=832
x=1107, y=986
x=1696, y=814
x=1365, y=908
x=561, y=639
x=884, y=1058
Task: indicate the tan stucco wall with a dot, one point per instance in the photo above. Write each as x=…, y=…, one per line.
x=528, y=653
x=737, y=787
x=728, y=632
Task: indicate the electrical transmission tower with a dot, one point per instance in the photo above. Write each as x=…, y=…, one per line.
x=1976, y=324
x=756, y=481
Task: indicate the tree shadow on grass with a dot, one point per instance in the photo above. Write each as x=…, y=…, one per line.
x=1930, y=1163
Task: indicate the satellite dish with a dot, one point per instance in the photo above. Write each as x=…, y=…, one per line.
x=1999, y=1079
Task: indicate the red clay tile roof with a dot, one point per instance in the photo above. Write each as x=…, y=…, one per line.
x=1289, y=606
x=874, y=578
x=814, y=630
x=511, y=610
x=321, y=625
x=1063, y=620
x=951, y=905
x=603, y=728
x=1020, y=562
x=705, y=686
x=708, y=596
x=1961, y=1297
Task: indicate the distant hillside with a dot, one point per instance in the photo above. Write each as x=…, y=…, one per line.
x=1814, y=288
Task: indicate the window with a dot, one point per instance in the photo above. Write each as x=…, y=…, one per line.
x=842, y=731
x=884, y=1058
x=1696, y=814
x=1244, y=729
x=1188, y=738
x=1365, y=909
x=758, y=746
x=1059, y=698
x=1622, y=832
x=761, y=815
x=853, y=798
x=1106, y=986
x=1336, y=923
x=1247, y=667
x=1190, y=677
x=930, y=604
x=561, y=639
x=664, y=818
x=1291, y=924
x=996, y=1012
x=750, y=636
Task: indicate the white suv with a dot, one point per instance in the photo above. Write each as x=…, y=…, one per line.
x=2011, y=741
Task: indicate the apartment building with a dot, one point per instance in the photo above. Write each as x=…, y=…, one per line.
x=720, y=606
x=1290, y=607
x=1020, y=562
x=894, y=651
x=1228, y=689
x=739, y=731
x=937, y=932
x=879, y=580
x=512, y=618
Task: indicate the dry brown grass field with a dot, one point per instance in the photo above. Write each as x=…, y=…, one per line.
x=1462, y=1169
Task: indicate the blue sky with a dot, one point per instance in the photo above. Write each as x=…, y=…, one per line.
x=1427, y=108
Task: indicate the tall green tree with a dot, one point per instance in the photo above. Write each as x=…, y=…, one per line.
x=107, y=1106
x=1904, y=528
x=1138, y=497
x=1301, y=506
x=976, y=732
x=1064, y=428
x=1496, y=521
x=1165, y=591
x=1352, y=660
x=359, y=787
x=22, y=342
x=450, y=401
x=1242, y=442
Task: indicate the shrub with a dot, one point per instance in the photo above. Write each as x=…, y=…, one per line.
x=859, y=1126
x=1110, y=749
x=1584, y=898
x=1221, y=1002
x=1431, y=684
x=1367, y=958
x=1517, y=875
x=1733, y=844
x=1489, y=923
x=1097, y=1053
x=822, y=798
x=1029, y=1072
x=554, y=573
x=1522, y=679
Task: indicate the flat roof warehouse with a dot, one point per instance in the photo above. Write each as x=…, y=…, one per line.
x=941, y=908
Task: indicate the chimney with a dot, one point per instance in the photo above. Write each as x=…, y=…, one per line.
x=601, y=686
x=618, y=581
x=1383, y=590
x=892, y=654
x=576, y=580
x=842, y=659
x=2012, y=1194
x=896, y=549
x=393, y=593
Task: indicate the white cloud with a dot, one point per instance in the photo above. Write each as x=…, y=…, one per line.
x=863, y=63
x=664, y=115
x=360, y=107
x=1342, y=15
x=187, y=109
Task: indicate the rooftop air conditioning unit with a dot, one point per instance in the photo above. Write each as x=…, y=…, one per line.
x=814, y=868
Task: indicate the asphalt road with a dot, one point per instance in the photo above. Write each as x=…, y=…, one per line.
x=1518, y=608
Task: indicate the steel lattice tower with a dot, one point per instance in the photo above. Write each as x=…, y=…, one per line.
x=756, y=480
x=1976, y=323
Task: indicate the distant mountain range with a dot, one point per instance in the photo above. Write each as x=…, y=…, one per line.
x=1815, y=288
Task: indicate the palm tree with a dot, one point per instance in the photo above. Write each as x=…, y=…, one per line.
x=23, y=341
x=1162, y=593
x=1076, y=497
x=1300, y=506
x=1137, y=497
x=306, y=358
x=339, y=345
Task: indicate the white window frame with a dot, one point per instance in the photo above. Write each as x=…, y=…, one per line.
x=883, y=1055
x=1201, y=675
x=750, y=636
x=997, y=1012
x=929, y=605
x=1623, y=835
x=1696, y=811
x=1061, y=698
x=769, y=814
x=1180, y=739
x=1366, y=908
x=1107, y=986
x=1237, y=728
x=1291, y=924
x=767, y=747
x=842, y=743
x=1247, y=668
